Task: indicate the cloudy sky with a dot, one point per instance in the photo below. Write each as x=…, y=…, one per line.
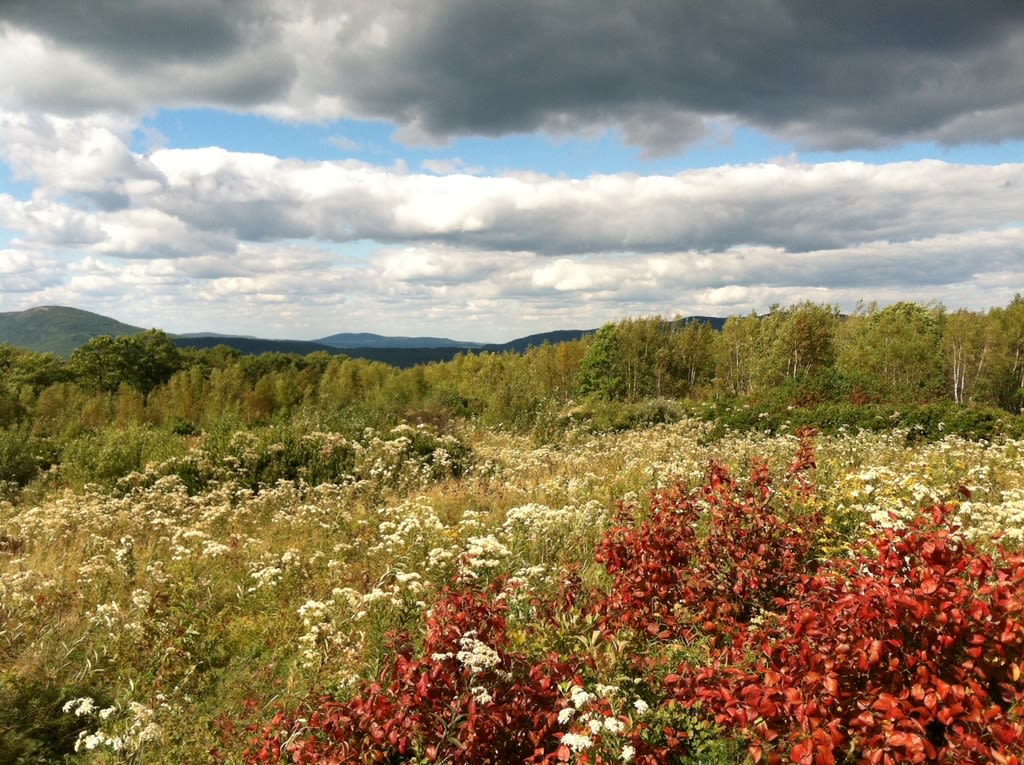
x=486, y=169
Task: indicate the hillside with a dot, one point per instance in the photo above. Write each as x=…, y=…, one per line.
x=371, y=340
x=531, y=341
x=715, y=322
x=61, y=330
x=253, y=345
x=401, y=352
x=57, y=329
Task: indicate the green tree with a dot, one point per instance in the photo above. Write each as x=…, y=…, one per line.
x=802, y=340
x=686, y=360
x=21, y=367
x=738, y=354
x=556, y=368
x=895, y=353
x=643, y=357
x=183, y=398
x=143, y=361
x=600, y=371
x=1004, y=376
x=967, y=350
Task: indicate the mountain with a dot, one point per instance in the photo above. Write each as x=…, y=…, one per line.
x=398, y=356
x=370, y=340
x=58, y=330
x=252, y=345
x=214, y=334
x=521, y=344
x=715, y=322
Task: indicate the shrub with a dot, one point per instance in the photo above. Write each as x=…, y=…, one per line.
x=20, y=458
x=602, y=415
x=910, y=652
x=33, y=726
x=466, y=699
x=109, y=455
x=922, y=422
x=710, y=558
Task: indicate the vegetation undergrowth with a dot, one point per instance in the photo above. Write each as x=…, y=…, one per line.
x=720, y=632
x=623, y=548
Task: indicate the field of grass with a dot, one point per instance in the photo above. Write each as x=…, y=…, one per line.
x=167, y=617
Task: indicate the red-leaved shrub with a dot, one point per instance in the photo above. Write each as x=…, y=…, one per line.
x=706, y=560
x=911, y=649
x=467, y=700
x=910, y=652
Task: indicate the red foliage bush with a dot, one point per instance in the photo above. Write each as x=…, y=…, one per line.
x=706, y=560
x=910, y=652
x=446, y=706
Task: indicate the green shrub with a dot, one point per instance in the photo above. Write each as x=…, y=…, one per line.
x=21, y=458
x=34, y=729
x=264, y=456
x=922, y=422
x=603, y=415
x=108, y=455
x=259, y=457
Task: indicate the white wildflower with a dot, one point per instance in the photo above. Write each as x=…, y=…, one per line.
x=481, y=695
x=577, y=742
x=614, y=725
x=476, y=656
x=82, y=706
x=579, y=697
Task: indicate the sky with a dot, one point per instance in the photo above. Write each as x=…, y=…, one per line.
x=485, y=169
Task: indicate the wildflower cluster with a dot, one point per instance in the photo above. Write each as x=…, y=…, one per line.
x=124, y=731
x=729, y=626
x=231, y=585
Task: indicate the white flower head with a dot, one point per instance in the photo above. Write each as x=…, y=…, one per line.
x=613, y=725
x=579, y=697
x=577, y=741
x=476, y=655
x=82, y=706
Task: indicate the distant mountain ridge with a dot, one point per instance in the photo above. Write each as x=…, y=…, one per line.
x=60, y=330
x=370, y=340
x=252, y=345
x=397, y=351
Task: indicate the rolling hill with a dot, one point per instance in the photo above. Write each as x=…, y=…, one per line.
x=370, y=340
x=252, y=345
x=57, y=329
x=60, y=330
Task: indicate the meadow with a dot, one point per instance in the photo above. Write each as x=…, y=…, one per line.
x=476, y=596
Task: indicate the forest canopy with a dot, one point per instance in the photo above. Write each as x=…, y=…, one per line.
x=801, y=364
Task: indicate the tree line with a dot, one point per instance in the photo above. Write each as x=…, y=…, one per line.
x=809, y=353
x=799, y=355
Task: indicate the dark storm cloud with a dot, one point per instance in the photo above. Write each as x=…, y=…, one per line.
x=137, y=32
x=129, y=56
x=832, y=75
